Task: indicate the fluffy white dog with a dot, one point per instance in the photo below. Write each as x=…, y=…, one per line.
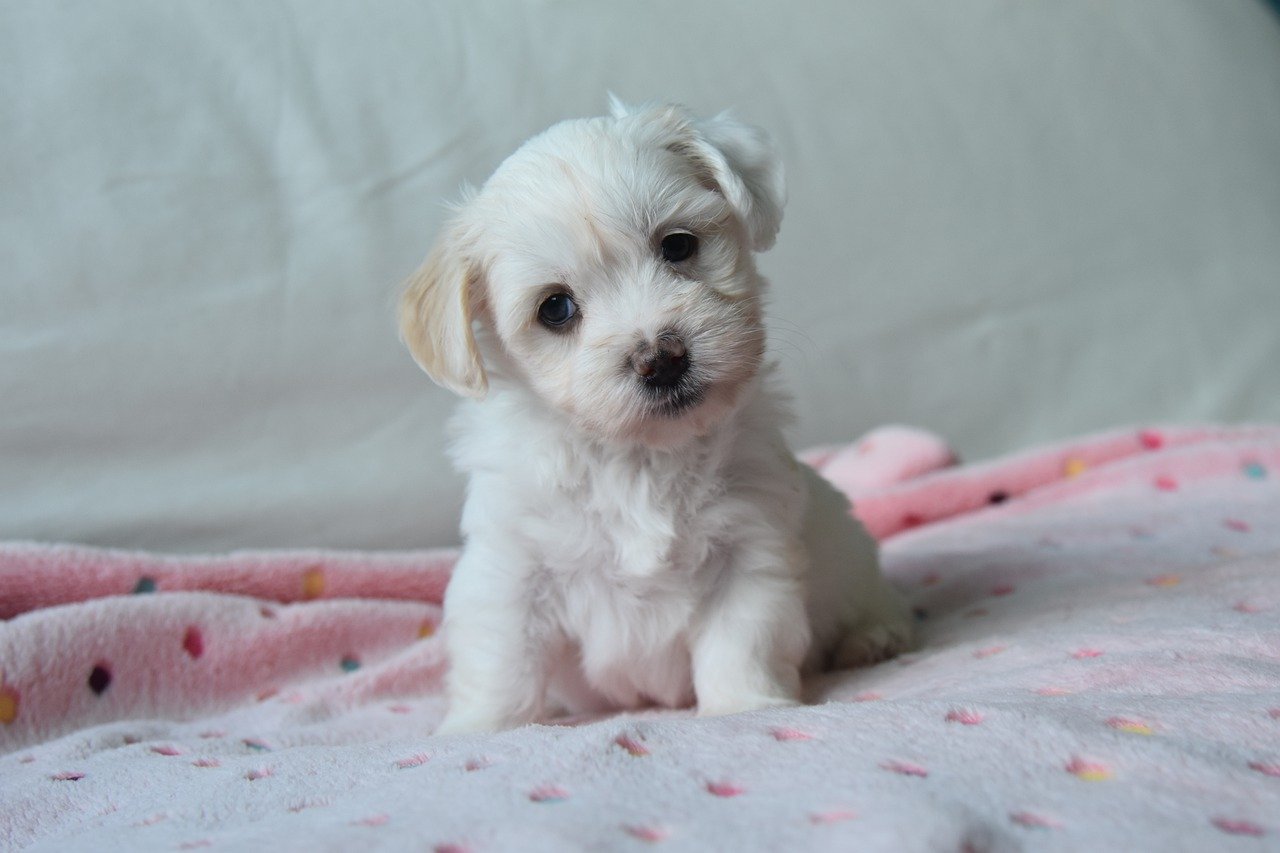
x=636, y=529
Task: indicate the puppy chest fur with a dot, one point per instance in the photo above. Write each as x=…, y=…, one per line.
x=621, y=547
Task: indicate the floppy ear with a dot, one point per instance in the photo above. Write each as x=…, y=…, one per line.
x=436, y=310
x=744, y=166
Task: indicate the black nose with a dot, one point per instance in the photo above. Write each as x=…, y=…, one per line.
x=661, y=363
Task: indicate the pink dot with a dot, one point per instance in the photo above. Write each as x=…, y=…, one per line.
x=1031, y=820
x=451, y=848
x=631, y=745
x=868, y=696
x=1274, y=713
x=988, y=651
x=413, y=761
x=1239, y=827
x=904, y=768
x=193, y=642
x=373, y=820
x=1266, y=768
x=1085, y=654
x=1236, y=524
x=784, y=734
x=964, y=716
x=1002, y=589
x=549, y=794
x=206, y=762
x=1247, y=607
x=725, y=789
x=68, y=776
x=1165, y=483
x=651, y=834
x=834, y=816
x=166, y=750
x=1151, y=439
x=259, y=773
x=474, y=764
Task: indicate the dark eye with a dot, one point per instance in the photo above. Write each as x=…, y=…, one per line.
x=679, y=246
x=556, y=310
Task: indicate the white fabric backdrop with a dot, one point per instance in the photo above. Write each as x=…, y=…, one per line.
x=1009, y=222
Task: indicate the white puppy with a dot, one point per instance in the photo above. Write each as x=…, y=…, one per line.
x=636, y=529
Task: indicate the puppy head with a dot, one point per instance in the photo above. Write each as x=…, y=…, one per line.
x=610, y=263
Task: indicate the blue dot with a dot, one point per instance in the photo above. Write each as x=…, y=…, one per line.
x=144, y=585
x=1254, y=470
x=350, y=664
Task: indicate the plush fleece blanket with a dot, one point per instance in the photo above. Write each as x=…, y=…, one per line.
x=1099, y=669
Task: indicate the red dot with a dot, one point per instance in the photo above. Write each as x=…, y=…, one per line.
x=193, y=642
x=1151, y=439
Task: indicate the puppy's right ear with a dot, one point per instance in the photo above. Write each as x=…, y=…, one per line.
x=436, y=310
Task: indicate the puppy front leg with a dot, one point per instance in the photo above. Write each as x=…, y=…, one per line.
x=497, y=654
x=748, y=648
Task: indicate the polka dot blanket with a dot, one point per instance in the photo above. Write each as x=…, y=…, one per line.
x=1099, y=668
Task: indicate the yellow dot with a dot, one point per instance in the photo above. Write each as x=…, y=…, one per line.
x=426, y=629
x=1075, y=467
x=1093, y=774
x=8, y=705
x=313, y=583
x=1134, y=728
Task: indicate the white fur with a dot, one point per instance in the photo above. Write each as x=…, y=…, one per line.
x=617, y=555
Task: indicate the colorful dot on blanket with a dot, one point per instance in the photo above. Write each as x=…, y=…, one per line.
x=1232, y=826
x=912, y=519
x=1086, y=654
x=144, y=585
x=206, y=762
x=725, y=789
x=451, y=848
x=549, y=794
x=426, y=629
x=1089, y=771
x=1032, y=820
x=1246, y=606
x=166, y=750
x=786, y=734
x=833, y=816
x=1236, y=524
x=8, y=704
x=100, y=679
x=257, y=744
x=1002, y=589
x=631, y=745
x=349, y=663
x=1164, y=580
x=1165, y=483
x=988, y=651
x=1266, y=768
x=904, y=768
x=193, y=642
x=652, y=834
x=67, y=776
x=1254, y=470
x=372, y=820
x=413, y=761
x=964, y=716
x=998, y=497
x=312, y=583
x=1150, y=439
x=256, y=773
x=1133, y=727
x=1074, y=467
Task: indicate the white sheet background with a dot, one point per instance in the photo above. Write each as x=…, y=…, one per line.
x=1009, y=222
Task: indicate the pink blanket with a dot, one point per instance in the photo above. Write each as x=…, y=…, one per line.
x=1100, y=668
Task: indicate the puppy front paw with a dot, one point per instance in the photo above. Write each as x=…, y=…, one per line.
x=741, y=704
x=465, y=721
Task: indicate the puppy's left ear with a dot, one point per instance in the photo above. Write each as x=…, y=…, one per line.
x=745, y=167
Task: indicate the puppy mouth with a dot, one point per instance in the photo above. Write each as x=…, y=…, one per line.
x=669, y=403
